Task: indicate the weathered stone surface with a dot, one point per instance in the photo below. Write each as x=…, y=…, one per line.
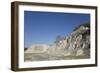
x=37, y=48
x=74, y=46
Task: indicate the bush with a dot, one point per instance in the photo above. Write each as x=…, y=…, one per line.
x=85, y=25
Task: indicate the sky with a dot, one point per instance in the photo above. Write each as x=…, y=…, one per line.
x=44, y=27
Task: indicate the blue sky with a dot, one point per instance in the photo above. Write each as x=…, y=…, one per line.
x=44, y=27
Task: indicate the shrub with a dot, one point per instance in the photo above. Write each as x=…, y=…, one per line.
x=85, y=25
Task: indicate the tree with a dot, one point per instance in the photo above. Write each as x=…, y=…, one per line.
x=85, y=25
x=58, y=38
